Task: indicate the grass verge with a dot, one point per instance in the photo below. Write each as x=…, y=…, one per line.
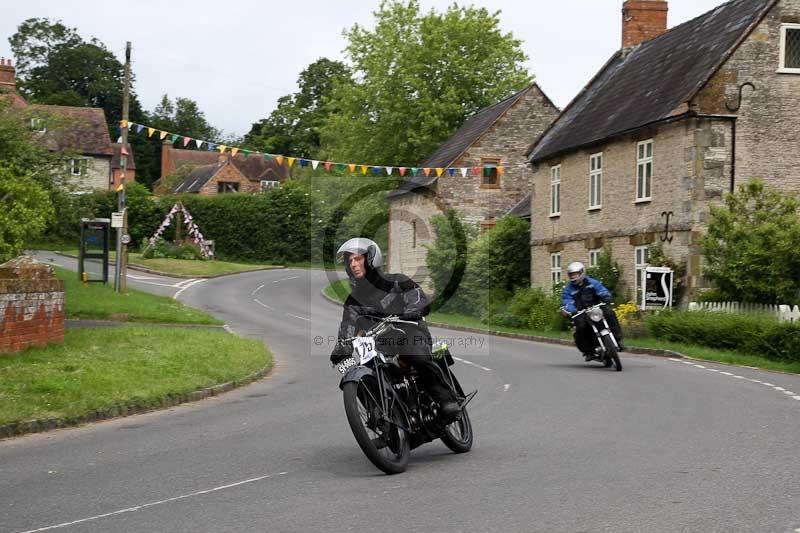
x=340, y=289
x=185, y=267
x=101, y=302
x=99, y=368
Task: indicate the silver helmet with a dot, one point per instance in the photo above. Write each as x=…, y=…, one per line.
x=576, y=272
x=361, y=246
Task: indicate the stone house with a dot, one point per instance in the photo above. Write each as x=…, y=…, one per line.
x=79, y=131
x=261, y=174
x=673, y=121
x=490, y=147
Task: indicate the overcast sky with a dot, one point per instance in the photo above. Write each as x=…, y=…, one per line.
x=236, y=59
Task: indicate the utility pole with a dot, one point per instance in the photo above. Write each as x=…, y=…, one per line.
x=120, y=266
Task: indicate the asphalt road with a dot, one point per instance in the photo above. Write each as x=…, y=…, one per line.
x=561, y=445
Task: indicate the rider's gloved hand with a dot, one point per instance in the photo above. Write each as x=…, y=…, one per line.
x=413, y=316
x=606, y=299
x=340, y=351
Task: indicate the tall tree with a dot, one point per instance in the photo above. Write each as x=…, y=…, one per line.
x=293, y=127
x=183, y=116
x=418, y=77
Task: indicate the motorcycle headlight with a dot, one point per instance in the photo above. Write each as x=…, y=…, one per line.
x=596, y=314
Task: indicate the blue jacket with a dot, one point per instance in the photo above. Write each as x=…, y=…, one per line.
x=570, y=298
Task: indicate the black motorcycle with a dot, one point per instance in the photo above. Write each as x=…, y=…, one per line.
x=388, y=412
x=607, y=349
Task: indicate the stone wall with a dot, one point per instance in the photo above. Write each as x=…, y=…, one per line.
x=507, y=140
x=31, y=305
x=96, y=176
x=410, y=230
x=768, y=124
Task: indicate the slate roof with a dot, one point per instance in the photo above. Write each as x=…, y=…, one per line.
x=84, y=130
x=198, y=177
x=255, y=168
x=412, y=184
x=523, y=208
x=468, y=133
x=654, y=82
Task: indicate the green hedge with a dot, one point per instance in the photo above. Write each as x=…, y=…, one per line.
x=758, y=335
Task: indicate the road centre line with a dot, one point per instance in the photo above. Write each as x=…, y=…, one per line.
x=140, y=277
x=262, y=304
x=192, y=284
x=473, y=364
x=257, y=289
x=284, y=279
x=300, y=317
x=159, y=502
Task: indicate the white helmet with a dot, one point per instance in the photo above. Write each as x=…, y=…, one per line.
x=576, y=268
x=360, y=246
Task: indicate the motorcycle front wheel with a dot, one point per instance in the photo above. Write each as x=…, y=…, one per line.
x=380, y=437
x=458, y=434
x=611, y=353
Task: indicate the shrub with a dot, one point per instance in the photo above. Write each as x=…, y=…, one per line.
x=759, y=335
x=607, y=271
x=164, y=249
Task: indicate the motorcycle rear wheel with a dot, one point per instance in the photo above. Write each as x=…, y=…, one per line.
x=384, y=443
x=611, y=353
x=458, y=435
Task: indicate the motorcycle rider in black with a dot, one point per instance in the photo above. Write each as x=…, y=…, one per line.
x=375, y=294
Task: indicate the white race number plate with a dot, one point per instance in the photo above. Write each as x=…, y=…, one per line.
x=364, y=349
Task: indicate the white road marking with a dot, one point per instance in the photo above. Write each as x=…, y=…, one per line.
x=300, y=317
x=284, y=279
x=171, y=286
x=756, y=380
x=152, y=504
x=258, y=289
x=262, y=304
x=473, y=364
x=779, y=388
x=712, y=369
x=140, y=277
x=796, y=397
x=788, y=392
x=676, y=360
x=768, y=384
x=506, y=387
x=192, y=284
x=184, y=282
x=735, y=376
x=726, y=373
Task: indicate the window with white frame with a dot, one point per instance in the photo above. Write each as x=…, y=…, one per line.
x=555, y=268
x=594, y=257
x=269, y=184
x=77, y=166
x=790, y=48
x=644, y=170
x=595, y=181
x=37, y=125
x=555, y=190
x=641, y=260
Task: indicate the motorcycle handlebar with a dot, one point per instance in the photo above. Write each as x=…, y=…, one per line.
x=385, y=323
x=582, y=311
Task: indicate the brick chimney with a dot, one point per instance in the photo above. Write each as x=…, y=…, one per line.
x=167, y=165
x=642, y=20
x=7, y=74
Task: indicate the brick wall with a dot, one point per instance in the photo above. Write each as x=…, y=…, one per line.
x=31, y=305
x=229, y=173
x=642, y=20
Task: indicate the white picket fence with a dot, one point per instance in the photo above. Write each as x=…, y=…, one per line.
x=784, y=313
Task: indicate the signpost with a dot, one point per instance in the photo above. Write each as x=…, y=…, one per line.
x=657, y=293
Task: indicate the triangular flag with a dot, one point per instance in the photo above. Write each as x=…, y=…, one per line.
x=426, y=171
x=364, y=169
x=233, y=152
x=451, y=171
x=352, y=167
x=186, y=141
x=328, y=165
x=402, y=171
x=314, y=164
x=222, y=148
x=246, y=153
x=123, y=151
x=121, y=187
x=303, y=162
x=123, y=123
x=279, y=159
x=211, y=146
x=119, y=139
x=150, y=132
x=499, y=171
x=476, y=171
x=267, y=157
x=414, y=171
x=464, y=171
x=163, y=134
x=174, y=137
x=139, y=128
x=339, y=167
x=376, y=171
x=290, y=161
x=389, y=171
x=198, y=143
x=439, y=172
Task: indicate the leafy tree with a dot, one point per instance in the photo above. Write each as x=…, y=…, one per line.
x=752, y=248
x=293, y=127
x=418, y=77
x=24, y=210
x=182, y=115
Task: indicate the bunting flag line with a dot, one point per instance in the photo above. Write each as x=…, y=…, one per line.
x=376, y=170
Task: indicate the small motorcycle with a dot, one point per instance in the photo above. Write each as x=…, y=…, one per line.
x=388, y=411
x=607, y=349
